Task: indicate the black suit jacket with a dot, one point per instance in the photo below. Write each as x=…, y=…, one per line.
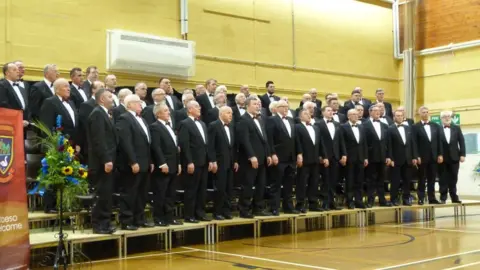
x=350, y=105
x=304, y=145
x=356, y=151
x=220, y=150
x=38, y=93
x=428, y=150
x=266, y=102
x=164, y=150
x=102, y=139
x=193, y=148
x=390, y=120
x=204, y=102
x=176, y=103
x=134, y=146
x=51, y=108
x=456, y=148
x=236, y=114
x=212, y=115
x=76, y=97
x=149, y=116
x=180, y=115
x=399, y=152
x=9, y=99
x=87, y=87
x=84, y=112
x=252, y=142
x=281, y=143
x=334, y=148
x=341, y=118
x=119, y=110
x=318, y=109
x=377, y=147
x=388, y=109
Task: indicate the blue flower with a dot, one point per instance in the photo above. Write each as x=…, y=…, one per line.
x=59, y=121
x=45, y=170
x=478, y=170
x=44, y=162
x=72, y=180
x=61, y=140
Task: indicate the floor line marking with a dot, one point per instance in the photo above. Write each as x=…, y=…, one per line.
x=428, y=260
x=462, y=266
x=260, y=259
x=142, y=256
x=433, y=229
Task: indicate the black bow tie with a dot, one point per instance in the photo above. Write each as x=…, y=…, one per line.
x=329, y=121
x=15, y=84
x=20, y=80
x=446, y=127
x=51, y=85
x=308, y=123
x=167, y=123
x=210, y=95
x=241, y=108
x=383, y=116
x=354, y=125
x=284, y=118
x=256, y=116
x=270, y=96
x=225, y=125
x=335, y=113
x=376, y=120
x=426, y=123
x=400, y=125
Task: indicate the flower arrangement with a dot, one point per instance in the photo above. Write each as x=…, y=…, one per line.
x=61, y=169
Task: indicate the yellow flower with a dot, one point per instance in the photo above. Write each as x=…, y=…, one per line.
x=67, y=170
x=70, y=150
x=85, y=175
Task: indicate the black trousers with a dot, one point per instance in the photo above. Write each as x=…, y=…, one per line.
x=354, y=181
x=164, y=191
x=449, y=179
x=307, y=185
x=282, y=174
x=330, y=179
x=427, y=171
x=195, y=191
x=133, y=197
x=223, y=185
x=102, y=208
x=400, y=173
x=375, y=181
x=253, y=177
x=50, y=199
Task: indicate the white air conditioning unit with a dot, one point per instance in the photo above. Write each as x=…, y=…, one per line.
x=149, y=55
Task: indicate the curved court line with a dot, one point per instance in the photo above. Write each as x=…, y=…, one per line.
x=260, y=259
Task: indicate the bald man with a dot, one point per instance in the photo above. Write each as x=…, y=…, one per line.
x=60, y=105
x=222, y=152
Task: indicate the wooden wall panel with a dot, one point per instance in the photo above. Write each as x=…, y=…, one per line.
x=441, y=22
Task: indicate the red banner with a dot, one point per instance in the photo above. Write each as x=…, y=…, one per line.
x=14, y=231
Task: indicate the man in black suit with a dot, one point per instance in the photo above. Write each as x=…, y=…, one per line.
x=171, y=100
x=120, y=109
x=402, y=155
x=12, y=95
x=60, y=105
x=311, y=109
x=312, y=93
x=239, y=109
x=166, y=160
x=206, y=100
x=42, y=90
x=384, y=118
x=254, y=156
x=134, y=164
x=85, y=109
x=363, y=101
x=310, y=155
x=141, y=91
x=158, y=96
x=380, y=94
x=376, y=134
x=222, y=152
x=428, y=138
x=360, y=110
x=290, y=112
x=102, y=150
x=281, y=138
x=193, y=141
x=336, y=154
x=356, y=99
x=21, y=72
x=77, y=94
x=337, y=116
x=111, y=85
x=453, y=154
x=182, y=114
x=357, y=159
x=92, y=76
x=269, y=96
x=220, y=100
x=406, y=121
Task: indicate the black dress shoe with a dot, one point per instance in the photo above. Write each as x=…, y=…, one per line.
x=112, y=229
x=407, y=203
x=218, y=217
x=246, y=215
x=102, y=231
x=315, y=209
x=385, y=204
x=434, y=201
x=302, y=210
x=274, y=213
x=263, y=213
x=228, y=216
x=360, y=205
x=420, y=202
x=293, y=211
x=456, y=201
x=175, y=222
x=204, y=218
x=146, y=225
x=191, y=220
x=161, y=224
x=129, y=227
x=335, y=207
x=351, y=205
x=369, y=205
x=443, y=201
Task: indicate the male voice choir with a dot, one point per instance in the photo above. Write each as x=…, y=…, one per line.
x=255, y=141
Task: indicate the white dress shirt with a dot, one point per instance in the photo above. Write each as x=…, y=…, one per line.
x=377, y=127
x=227, y=130
x=21, y=83
x=405, y=122
x=331, y=128
x=200, y=128
x=170, y=130
x=336, y=118
x=401, y=130
x=142, y=124
x=356, y=132
x=287, y=125
x=242, y=111
x=257, y=123
x=210, y=98
x=289, y=114
x=50, y=85
x=143, y=104
x=384, y=120
x=82, y=93
x=18, y=93
x=69, y=109
x=427, y=130
x=448, y=133
x=168, y=98
x=311, y=131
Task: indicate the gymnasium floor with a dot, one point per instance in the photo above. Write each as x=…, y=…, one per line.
x=442, y=244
